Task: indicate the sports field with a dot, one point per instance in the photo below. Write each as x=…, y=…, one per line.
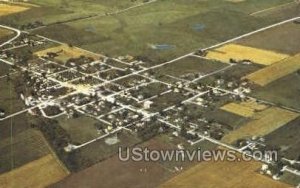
x=240, y=52
x=245, y=109
x=66, y=52
x=39, y=173
x=223, y=175
x=271, y=73
x=6, y=9
x=263, y=123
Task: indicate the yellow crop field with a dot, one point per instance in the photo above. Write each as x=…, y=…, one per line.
x=254, y=105
x=238, y=109
x=263, y=123
x=6, y=9
x=245, y=109
x=39, y=173
x=239, y=52
x=65, y=52
x=223, y=174
x=278, y=70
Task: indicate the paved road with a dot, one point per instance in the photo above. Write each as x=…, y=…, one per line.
x=252, y=33
x=12, y=39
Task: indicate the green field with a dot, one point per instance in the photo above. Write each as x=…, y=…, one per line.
x=9, y=99
x=53, y=11
x=283, y=39
x=181, y=26
x=281, y=93
x=234, y=73
x=99, y=151
x=81, y=129
x=190, y=65
x=287, y=139
x=22, y=148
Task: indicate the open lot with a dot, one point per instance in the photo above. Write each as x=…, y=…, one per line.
x=81, y=129
x=262, y=124
x=167, y=100
x=271, y=73
x=39, y=173
x=190, y=66
x=239, y=53
x=223, y=174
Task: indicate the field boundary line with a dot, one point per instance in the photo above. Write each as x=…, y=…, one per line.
x=252, y=33
x=55, y=156
x=273, y=8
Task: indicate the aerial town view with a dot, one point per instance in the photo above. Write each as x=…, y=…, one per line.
x=149, y=93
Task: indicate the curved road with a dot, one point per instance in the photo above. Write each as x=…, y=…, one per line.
x=12, y=39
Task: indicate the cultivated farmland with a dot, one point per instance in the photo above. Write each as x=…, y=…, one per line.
x=263, y=123
x=223, y=174
x=6, y=9
x=271, y=73
x=281, y=93
x=245, y=109
x=282, y=39
x=239, y=52
x=39, y=173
